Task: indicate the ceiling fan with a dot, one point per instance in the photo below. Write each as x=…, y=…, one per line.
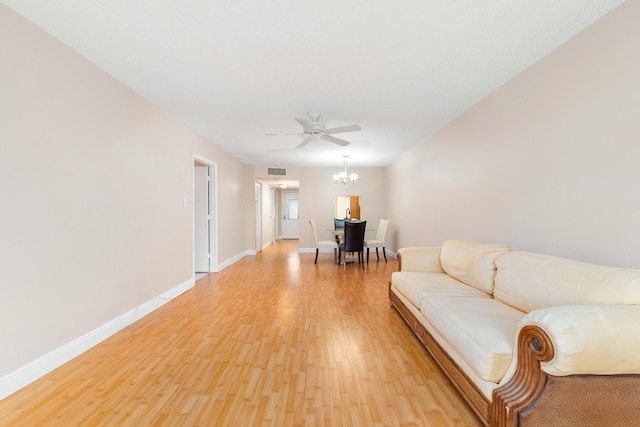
x=314, y=130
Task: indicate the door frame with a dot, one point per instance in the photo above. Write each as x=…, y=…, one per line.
x=213, y=213
x=274, y=215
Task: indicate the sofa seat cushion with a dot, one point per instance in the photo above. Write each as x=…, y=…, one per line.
x=472, y=263
x=416, y=285
x=529, y=281
x=481, y=330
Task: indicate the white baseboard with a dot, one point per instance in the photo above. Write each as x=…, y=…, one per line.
x=236, y=258
x=216, y=268
x=30, y=372
x=224, y=264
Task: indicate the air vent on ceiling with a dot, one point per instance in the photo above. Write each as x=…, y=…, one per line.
x=277, y=171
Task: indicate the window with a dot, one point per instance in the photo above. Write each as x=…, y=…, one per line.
x=293, y=209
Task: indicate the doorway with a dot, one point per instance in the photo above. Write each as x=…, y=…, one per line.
x=205, y=223
x=258, y=203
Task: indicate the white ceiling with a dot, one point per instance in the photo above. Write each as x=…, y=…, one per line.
x=233, y=70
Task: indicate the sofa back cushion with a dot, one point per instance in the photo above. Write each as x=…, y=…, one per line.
x=528, y=281
x=471, y=263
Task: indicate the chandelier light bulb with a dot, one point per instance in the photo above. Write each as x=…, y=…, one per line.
x=343, y=176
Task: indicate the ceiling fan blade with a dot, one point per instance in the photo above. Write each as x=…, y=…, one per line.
x=306, y=125
x=335, y=140
x=304, y=143
x=280, y=134
x=340, y=129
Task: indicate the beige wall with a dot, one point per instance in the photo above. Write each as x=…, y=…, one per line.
x=548, y=163
x=93, y=183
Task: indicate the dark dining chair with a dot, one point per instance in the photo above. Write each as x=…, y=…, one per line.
x=353, y=242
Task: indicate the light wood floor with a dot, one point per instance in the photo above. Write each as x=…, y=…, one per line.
x=273, y=340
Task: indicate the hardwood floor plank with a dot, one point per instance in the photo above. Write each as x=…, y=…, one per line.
x=273, y=340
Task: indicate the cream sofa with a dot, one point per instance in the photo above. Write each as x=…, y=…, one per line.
x=528, y=339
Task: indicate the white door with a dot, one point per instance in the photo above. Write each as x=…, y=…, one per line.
x=205, y=228
x=290, y=215
x=201, y=218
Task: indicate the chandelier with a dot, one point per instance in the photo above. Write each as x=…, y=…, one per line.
x=343, y=176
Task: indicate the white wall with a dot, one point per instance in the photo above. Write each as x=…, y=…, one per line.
x=93, y=183
x=548, y=163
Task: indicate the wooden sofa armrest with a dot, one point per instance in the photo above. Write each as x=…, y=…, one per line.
x=534, y=346
x=420, y=258
x=573, y=365
x=600, y=339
